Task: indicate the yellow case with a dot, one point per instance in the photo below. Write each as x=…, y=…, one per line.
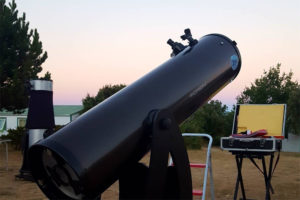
x=260, y=116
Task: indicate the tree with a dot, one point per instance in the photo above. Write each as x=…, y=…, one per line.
x=106, y=91
x=21, y=57
x=212, y=118
x=274, y=87
x=294, y=111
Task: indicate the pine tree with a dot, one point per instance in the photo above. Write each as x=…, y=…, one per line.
x=21, y=57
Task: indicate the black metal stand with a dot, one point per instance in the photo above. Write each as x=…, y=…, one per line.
x=25, y=172
x=160, y=181
x=239, y=162
x=239, y=155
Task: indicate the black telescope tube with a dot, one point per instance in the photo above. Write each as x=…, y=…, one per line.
x=85, y=157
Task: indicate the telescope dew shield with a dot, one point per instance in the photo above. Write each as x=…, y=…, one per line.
x=85, y=157
x=40, y=112
x=40, y=117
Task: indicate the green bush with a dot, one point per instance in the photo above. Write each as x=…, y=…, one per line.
x=193, y=142
x=191, y=125
x=57, y=127
x=15, y=135
x=212, y=118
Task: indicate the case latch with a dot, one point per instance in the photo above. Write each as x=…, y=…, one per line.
x=262, y=143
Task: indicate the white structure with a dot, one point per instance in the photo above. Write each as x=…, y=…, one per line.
x=63, y=114
x=291, y=144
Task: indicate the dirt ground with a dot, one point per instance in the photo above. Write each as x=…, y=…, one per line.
x=286, y=179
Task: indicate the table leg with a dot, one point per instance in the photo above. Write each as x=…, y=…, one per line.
x=270, y=173
x=6, y=150
x=239, y=162
x=266, y=179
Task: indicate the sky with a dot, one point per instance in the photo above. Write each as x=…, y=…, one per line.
x=91, y=43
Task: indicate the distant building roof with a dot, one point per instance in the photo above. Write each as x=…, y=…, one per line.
x=59, y=110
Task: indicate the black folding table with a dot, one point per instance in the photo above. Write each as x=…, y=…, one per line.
x=252, y=155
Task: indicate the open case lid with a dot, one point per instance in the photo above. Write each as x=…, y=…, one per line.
x=260, y=116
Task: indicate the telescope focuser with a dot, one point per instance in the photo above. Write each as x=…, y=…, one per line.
x=188, y=36
x=176, y=47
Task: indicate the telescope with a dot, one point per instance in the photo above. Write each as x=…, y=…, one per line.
x=105, y=144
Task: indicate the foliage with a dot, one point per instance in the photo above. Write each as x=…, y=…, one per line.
x=57, y=127
x=106, y=91
x=47, y=76
x=193, y=142
x=16, y=136
x=49, y=132
x=274, y=87
x=21, y=57
x=212, y=118
x=293, y=113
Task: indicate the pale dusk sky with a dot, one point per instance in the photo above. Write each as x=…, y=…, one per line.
x=92, y=43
